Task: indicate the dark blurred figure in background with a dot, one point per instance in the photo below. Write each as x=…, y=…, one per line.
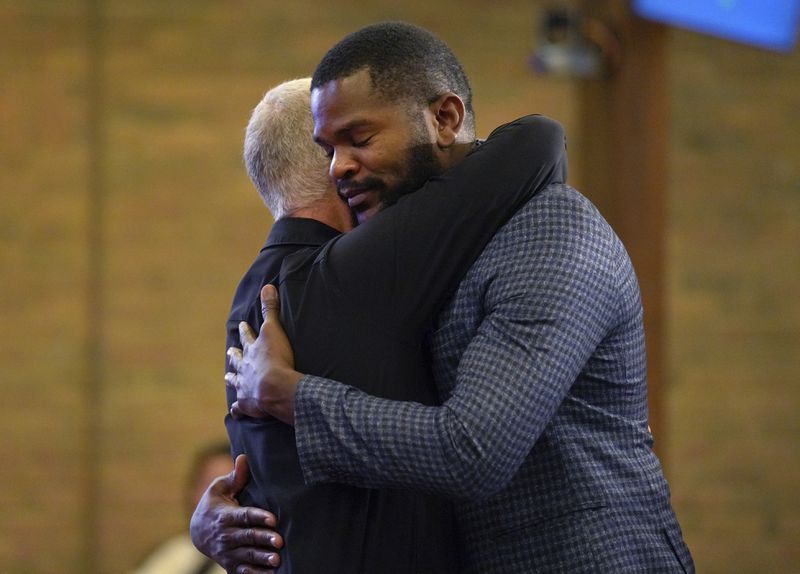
x=178, y=555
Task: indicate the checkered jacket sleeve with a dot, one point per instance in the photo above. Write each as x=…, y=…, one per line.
x=546, y=291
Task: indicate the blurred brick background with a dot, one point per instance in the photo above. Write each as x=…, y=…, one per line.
x=148, y=271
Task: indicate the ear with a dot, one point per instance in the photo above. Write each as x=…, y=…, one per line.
x=448, y=114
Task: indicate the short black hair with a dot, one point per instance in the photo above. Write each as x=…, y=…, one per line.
x=404, y=62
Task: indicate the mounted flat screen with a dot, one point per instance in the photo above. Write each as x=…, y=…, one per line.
x=768, y=24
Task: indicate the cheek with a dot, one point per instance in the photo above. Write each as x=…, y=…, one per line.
x=388, y=164
x=387, y=158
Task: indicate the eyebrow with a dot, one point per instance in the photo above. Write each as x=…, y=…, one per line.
x=349, y=126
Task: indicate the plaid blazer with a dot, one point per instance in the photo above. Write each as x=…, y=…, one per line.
x=542, y=437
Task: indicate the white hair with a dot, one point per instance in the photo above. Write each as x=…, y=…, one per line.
x=289, y=170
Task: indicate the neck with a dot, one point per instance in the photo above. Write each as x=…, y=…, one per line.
x=330, y=210
x=455, y=153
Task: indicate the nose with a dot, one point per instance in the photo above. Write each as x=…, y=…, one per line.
x=343, y=165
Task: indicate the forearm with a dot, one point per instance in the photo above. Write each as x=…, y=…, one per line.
x=471, y=446
x=345, y=435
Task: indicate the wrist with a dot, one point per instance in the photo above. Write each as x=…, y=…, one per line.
x=281, y=402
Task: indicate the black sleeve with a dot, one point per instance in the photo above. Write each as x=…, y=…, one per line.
x=411, y=256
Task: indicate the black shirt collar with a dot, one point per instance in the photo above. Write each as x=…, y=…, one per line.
x=299, y=231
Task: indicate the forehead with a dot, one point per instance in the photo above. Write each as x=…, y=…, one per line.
x=351, y=101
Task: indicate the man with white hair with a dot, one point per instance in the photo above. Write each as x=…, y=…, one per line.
x=290, y=173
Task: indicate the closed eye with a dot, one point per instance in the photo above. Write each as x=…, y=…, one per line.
x=362, y=143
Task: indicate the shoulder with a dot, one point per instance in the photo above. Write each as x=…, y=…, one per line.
x=558, y=240
x=559, y=204
x=557, y=218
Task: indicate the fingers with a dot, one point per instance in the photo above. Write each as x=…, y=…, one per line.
x=241, y=474
x=270, y=305
x=235, y=358
x=253, y=516
x=241, y=537
x=252, y=560
x=246, y=334
x=252, y=569
x=247, y=526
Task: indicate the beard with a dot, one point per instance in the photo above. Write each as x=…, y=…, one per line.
x=421, y=164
